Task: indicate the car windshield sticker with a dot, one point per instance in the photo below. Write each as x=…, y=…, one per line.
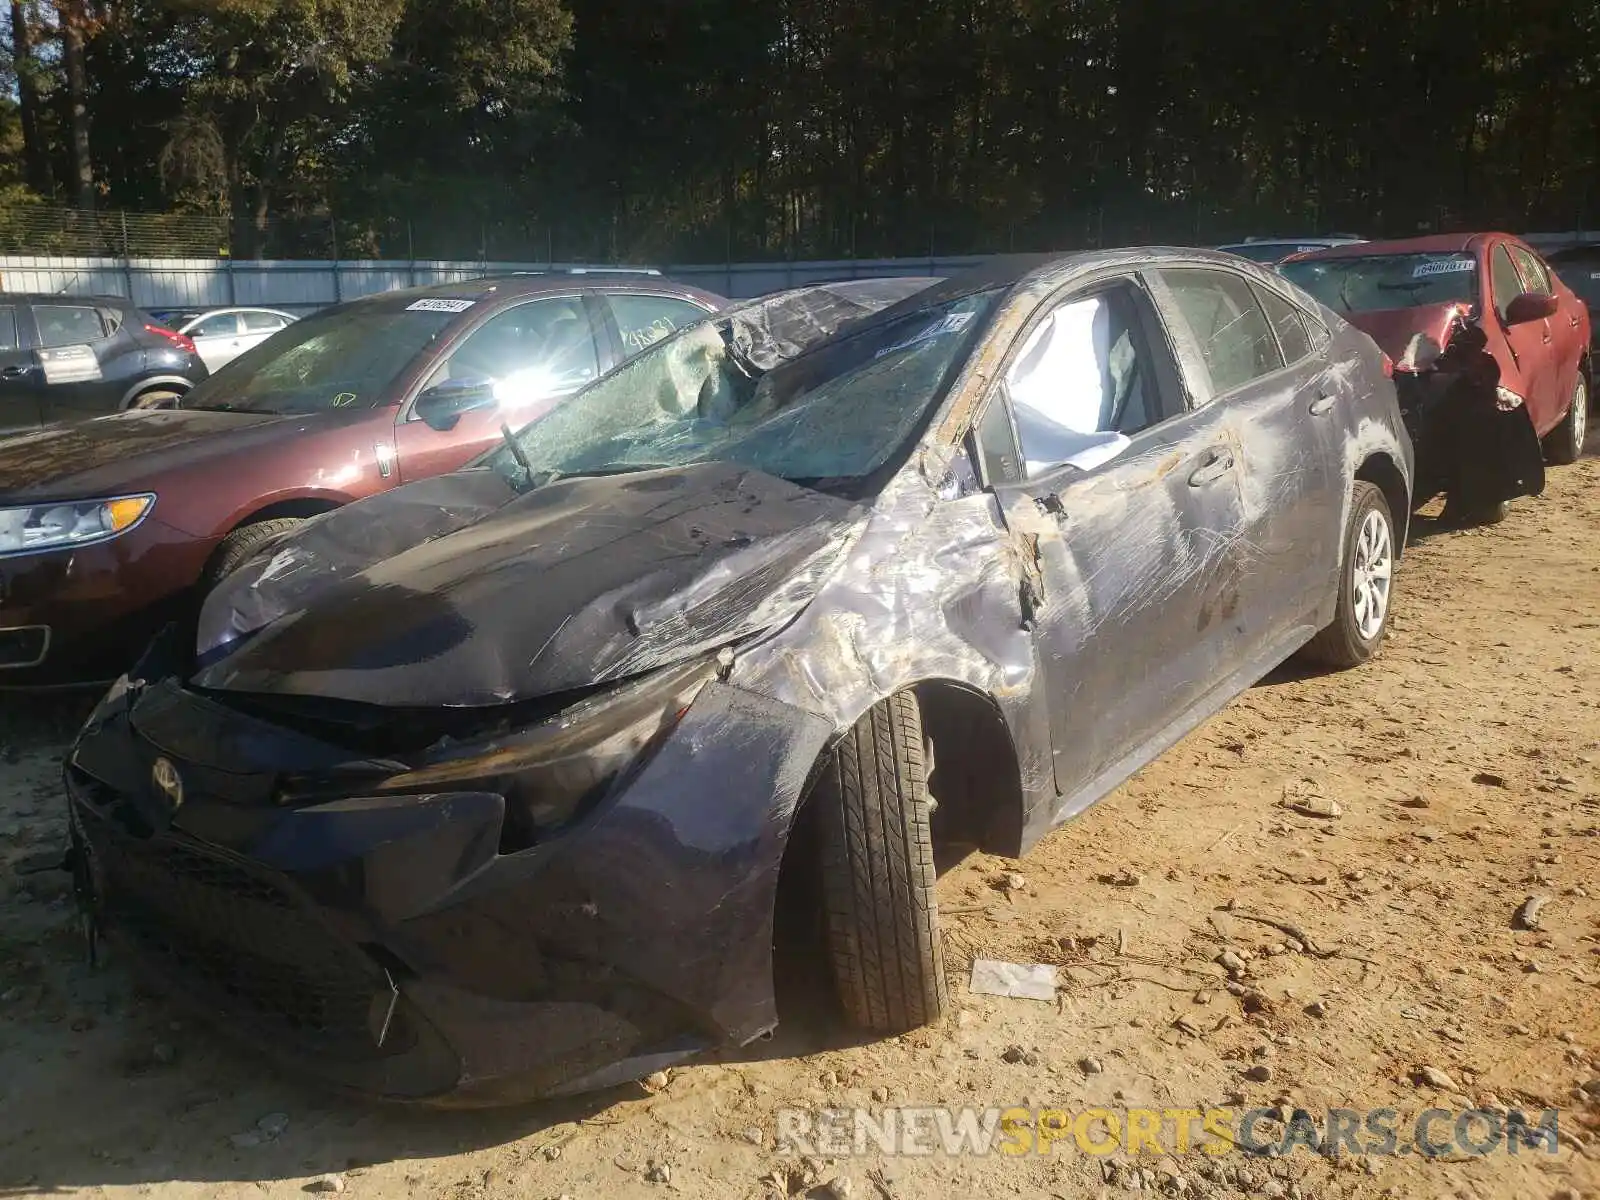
x=450, y=306
x=1443, y=266
x=70, y=364
x=949, y=323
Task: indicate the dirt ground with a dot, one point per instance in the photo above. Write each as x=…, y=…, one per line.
x=1462, y=766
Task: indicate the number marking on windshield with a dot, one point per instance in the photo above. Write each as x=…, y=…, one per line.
x=1443, y=266
x=449, y=306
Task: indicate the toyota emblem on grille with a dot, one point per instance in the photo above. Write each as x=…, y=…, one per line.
x=165, y=776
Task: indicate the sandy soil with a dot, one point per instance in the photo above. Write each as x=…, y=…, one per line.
x=1463, y=768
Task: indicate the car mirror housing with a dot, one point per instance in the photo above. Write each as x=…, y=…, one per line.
x=441, y=407
x=1530, y=306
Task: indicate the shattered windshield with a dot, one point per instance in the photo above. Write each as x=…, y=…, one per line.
x=1371, y=283
x=742, y=389
x=343, y=359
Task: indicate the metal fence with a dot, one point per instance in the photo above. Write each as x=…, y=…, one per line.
x=306, y=285
x=303, y=286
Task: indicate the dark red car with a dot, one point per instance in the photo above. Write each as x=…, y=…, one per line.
x=1537, y=329
x=107, y=526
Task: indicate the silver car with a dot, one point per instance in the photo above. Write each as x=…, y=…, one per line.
x=223, y=334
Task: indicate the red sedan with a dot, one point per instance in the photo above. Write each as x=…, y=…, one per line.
x=108, y=526
x=1537, y=329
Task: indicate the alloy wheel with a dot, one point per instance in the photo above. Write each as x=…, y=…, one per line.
x=1373, y=570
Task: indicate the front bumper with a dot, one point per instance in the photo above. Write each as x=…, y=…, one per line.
x=386, y=946
x=80, y=615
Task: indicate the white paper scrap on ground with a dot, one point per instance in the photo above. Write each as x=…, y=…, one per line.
x=1021, y=981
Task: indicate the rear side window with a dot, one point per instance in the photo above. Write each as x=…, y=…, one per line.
x=221, y=325
x=1290, y=324
x=8, y=330
x=1534, y=274
x=1235, y=339
x=69, y=325
x=645, y=320
x=262, y=322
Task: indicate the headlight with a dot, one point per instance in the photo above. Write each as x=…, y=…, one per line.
x=548, y=772
x=70, y=523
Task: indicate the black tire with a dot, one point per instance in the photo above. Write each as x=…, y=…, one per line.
x=158, y=398
x=1342, y=644
x=1563, y=445
x=240, y=545
x=880, y=916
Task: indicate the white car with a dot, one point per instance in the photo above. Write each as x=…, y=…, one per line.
x=223, y=334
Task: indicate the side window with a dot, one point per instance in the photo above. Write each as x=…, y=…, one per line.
x=262, y=322
x=68, y=325
x=538, y=349
x=1503, y=279
x=1235, y=340
x=1534, y=275
x=8, y=330
x=644, y=320
x=1289, y=323
x=221, y=325
x=997, y=445
x=1082, y=384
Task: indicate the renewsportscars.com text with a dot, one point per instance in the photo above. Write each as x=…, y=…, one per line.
x=911, y=1131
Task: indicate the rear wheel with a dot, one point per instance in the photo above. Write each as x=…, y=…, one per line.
x=242, y=544
x=881, y=918
x=1564, y=443
x=1365, y=586
x=159, y=398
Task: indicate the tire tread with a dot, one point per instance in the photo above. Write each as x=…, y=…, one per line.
x=878, y=873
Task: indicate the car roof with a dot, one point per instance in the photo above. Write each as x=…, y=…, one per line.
x=533, y=283
x=1042, y=274
x=1437, y=243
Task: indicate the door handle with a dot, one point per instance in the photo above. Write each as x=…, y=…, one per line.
x=1322, y=406
x=1217, y=463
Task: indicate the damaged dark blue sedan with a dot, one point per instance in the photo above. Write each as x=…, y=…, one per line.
x=481, y=789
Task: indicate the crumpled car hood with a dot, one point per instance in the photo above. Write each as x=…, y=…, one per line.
x=457, y=591
x=1393, y=328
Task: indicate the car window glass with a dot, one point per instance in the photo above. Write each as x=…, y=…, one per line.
x=262, y=322
x=221, y=325
x=997, y=445
x=1236, y=343
x=8, y=330
x=530, y=351
x=1289, y=323
x=68, y=325
x=1503, y=279
x=1535, y=278
x=1079, y=388
x=645, y=320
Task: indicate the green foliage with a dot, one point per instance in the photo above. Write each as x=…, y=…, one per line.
x=673, y=129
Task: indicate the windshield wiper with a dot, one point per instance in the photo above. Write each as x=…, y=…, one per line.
x=517, y=453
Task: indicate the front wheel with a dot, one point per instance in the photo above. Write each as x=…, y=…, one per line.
x=881, y=918
x=1564, y=443
x=1365, y=584
x=241, y=545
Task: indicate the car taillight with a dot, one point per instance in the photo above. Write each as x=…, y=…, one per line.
x=1388, y=365
x=181, y=340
